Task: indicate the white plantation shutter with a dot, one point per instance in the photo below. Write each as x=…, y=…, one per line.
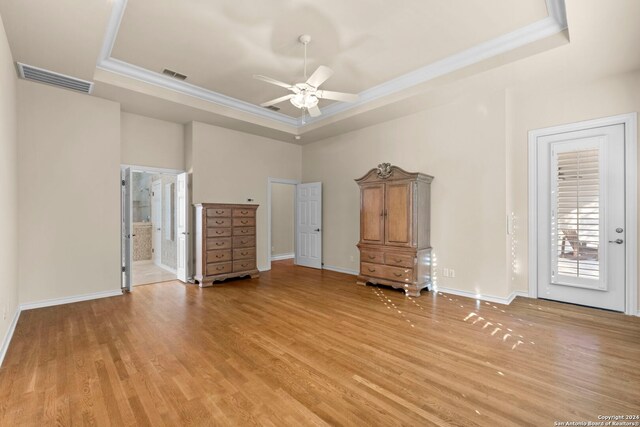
x=576, y=217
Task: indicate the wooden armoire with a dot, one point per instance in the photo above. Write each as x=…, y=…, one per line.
x=225, y=242
x=395, y=248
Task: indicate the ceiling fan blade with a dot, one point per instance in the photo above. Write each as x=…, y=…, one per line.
x=314, y=111
x=272, y=81
x=337, y=96
x=277, y=100
x=320, y=76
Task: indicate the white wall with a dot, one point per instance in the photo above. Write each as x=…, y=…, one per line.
x=8, y=189
x=151, y=142
x=462, y=145
x=282, y=218
x=534, y=107
x=476, y=147
x=229, y=167
x=69, y=193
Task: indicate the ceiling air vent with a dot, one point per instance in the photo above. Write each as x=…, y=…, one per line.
x=175, y=75
x=29, y=72
x=272, y=107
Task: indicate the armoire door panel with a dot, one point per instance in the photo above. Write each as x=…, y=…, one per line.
x=398, y=206
x=372, y=218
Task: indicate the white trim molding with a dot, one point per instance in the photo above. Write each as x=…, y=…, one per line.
x=340, y=270
x=69, y=300
x=481, y=297
x=9, y=335
x=283, y=256
x=630, y=122
x=554, y=23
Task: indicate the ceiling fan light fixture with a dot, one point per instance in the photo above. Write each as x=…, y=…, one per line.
x=304, y=100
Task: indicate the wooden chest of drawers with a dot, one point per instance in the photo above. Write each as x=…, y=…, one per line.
x=225, y=237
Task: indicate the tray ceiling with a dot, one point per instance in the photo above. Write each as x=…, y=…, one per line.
x=220, y=44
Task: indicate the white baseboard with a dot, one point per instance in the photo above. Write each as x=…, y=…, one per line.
x=340, y=270
x=9, y=335
x=69, y=300
x=283, y=256
x=488, y=298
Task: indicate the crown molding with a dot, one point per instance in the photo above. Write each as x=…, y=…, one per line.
x=555, y=23
x=151, y=77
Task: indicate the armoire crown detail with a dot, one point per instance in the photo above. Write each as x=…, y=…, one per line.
x=384, y=170
x=395, y=214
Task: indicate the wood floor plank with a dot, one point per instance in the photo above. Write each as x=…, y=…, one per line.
x=305, y=347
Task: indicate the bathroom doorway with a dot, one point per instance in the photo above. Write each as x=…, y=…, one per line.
x=150, y=243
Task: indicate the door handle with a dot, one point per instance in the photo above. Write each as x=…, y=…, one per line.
x=317, y=229
x=618, y=241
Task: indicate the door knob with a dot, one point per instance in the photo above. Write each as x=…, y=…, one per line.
x=618, y=241
x=317, y=229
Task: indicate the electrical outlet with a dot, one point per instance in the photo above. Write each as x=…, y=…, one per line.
x=445, y=272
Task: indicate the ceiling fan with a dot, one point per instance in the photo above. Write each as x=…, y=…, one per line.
x=306, y=95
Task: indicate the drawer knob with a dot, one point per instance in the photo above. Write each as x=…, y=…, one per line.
x=219, y=268
x=244, y=265
x=372, y=269
x=219, y=256
x=372, y=256
x=397, y=274
x=219, y=243
x=244, y=253
x=219, y=222
x=243, y=242
x=219, y=212
x=244, y=212
x=397, y=260
x=244, y=222
x=244, y=231
x=219, y=232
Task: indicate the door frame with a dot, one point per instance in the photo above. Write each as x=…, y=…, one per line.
x=147, y=169
x=295, y=183
x=157, y=182
x=629, y=121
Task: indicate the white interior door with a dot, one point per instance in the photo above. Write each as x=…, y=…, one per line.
x=581, y=246
x=127, y=261
x=309, y=225
x=182, y=206
x=156, y=221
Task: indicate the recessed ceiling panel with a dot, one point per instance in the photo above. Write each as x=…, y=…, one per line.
x=220, y=44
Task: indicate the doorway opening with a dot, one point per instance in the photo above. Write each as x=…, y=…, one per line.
x=152, y=230
x=294, y=217
x=282, y=221
x=583, y=213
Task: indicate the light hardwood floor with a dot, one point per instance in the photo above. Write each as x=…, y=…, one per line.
x=304, y=347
